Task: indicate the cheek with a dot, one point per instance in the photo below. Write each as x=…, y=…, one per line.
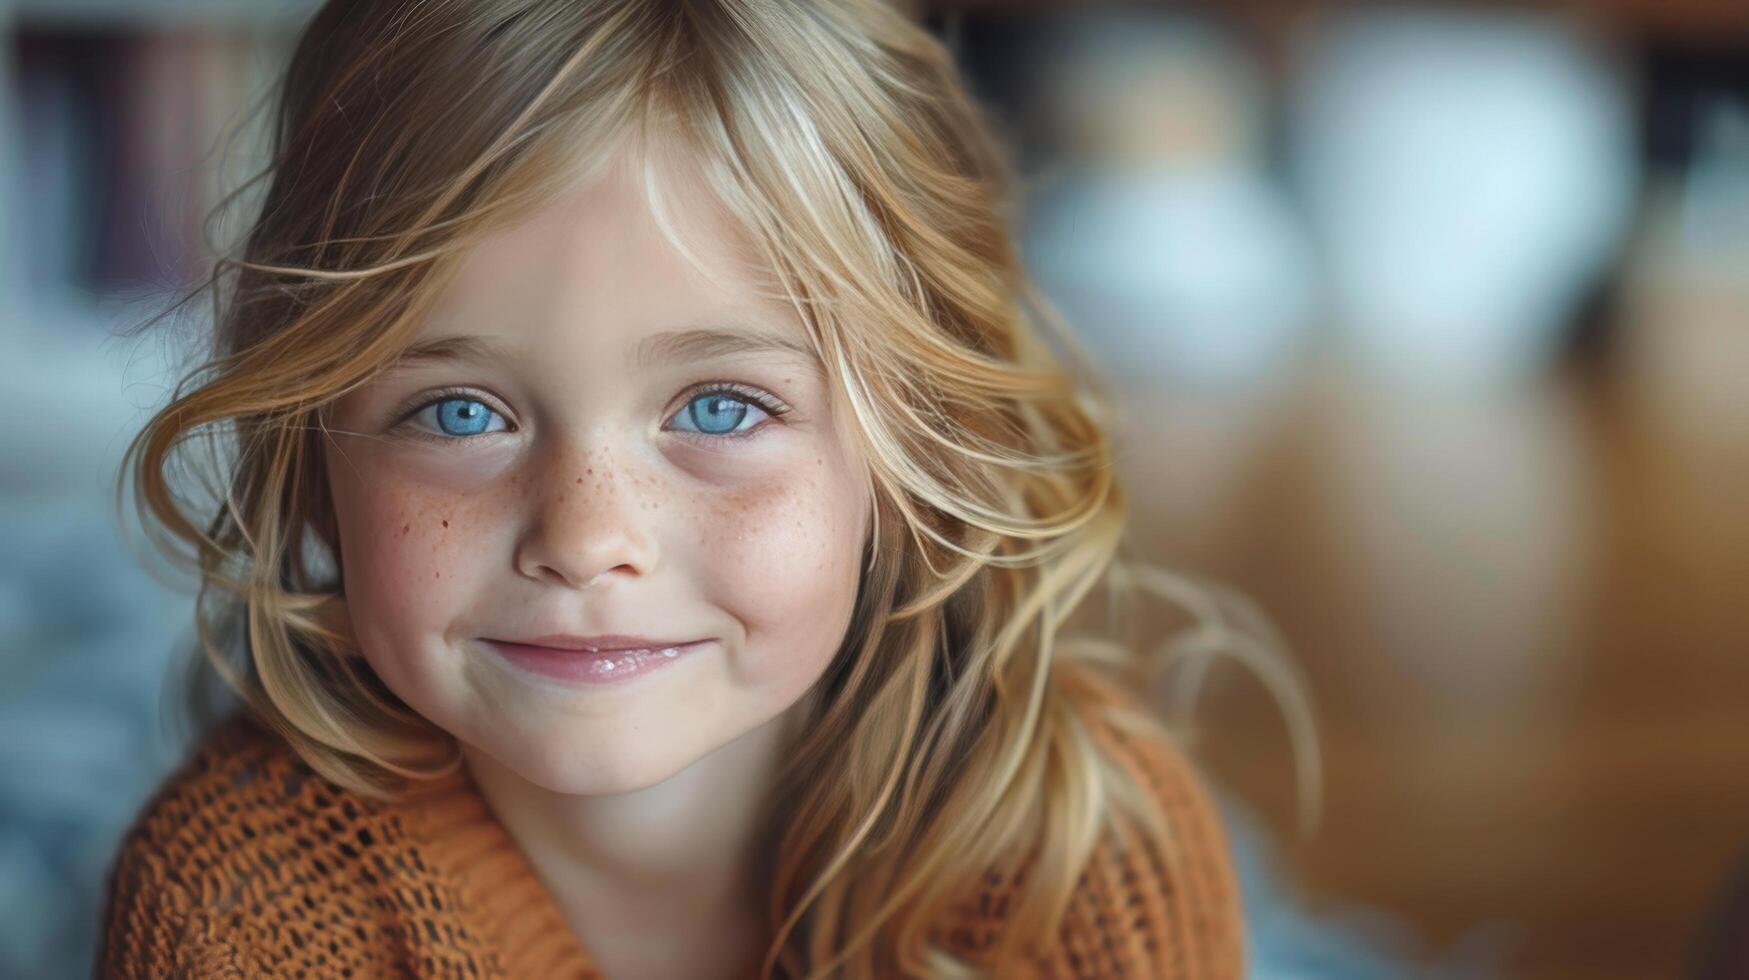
x=785, y=562
x=403, y=548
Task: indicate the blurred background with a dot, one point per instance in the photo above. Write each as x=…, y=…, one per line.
x=1431, y=328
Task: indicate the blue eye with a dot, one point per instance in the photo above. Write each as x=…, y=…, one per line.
x=462, y=416
x=718, y=412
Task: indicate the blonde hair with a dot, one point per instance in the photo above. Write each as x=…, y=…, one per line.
x=957, y=718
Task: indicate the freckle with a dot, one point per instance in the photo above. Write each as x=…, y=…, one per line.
x=590, y=471
x=436, y=574
x=579, y=479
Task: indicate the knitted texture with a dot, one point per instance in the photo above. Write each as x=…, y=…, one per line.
x=247, y=863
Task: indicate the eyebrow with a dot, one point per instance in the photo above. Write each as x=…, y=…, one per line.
x=695, y=344
x=703, y=343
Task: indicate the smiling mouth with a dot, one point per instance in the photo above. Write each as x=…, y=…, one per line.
x=586, y=666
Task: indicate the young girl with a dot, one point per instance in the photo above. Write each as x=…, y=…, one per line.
x=651, y=525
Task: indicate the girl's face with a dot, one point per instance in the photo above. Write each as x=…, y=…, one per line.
x=600, y=439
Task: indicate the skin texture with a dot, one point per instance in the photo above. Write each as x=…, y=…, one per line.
x=589, y=505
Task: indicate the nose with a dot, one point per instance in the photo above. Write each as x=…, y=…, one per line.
x=586, y=526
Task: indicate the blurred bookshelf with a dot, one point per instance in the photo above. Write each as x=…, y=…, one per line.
x=122, y=125
x=279, y=14
x=119, y=124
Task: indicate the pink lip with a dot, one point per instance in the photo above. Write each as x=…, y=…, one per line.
x=606, y=641
x=582, y=666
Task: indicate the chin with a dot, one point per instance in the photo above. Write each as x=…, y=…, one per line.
x=566, y=768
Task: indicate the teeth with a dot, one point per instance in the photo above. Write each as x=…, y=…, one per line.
x=636, y=651
x=611, y=663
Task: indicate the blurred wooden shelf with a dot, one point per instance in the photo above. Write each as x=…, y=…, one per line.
x=1524, y=627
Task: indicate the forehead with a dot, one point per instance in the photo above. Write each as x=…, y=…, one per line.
x=639, y=245
x=637, y=219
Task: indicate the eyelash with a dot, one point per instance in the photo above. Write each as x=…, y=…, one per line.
x=767, y=403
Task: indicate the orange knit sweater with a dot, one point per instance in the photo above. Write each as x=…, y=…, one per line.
x=246, y=863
